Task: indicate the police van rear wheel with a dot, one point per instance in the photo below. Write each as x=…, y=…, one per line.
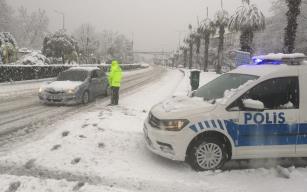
x=207, y=154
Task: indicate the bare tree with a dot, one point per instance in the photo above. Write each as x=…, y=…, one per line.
x=6, y=16
x=88, y=43
x=31, y=28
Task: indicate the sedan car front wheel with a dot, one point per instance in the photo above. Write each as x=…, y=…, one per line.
x=85, y=98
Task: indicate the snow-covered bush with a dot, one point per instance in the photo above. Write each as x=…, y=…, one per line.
x=7, y=37
x=33, y=58
x=60, y=45
x=8, y=47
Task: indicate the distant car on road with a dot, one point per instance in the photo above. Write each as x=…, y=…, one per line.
x=75, y=85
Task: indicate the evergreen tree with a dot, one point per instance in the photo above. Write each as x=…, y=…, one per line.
x=290, y=30
x=207, y=29
x=60, y=45
x=221, y=21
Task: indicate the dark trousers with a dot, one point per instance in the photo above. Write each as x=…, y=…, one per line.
x=114, y=95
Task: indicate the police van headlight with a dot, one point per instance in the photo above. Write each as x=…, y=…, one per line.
x=173, y=125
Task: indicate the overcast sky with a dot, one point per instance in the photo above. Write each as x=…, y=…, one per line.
x=154, y=24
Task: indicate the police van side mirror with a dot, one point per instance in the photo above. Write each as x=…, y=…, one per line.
x=253, y=105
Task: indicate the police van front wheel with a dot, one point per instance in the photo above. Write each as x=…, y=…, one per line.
x=207, y=154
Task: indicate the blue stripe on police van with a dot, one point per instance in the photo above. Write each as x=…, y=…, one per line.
x=213, y=124
x=201, y=126
x=221, y=124
x=207, y=124
x=194, y=128
x=267, y=134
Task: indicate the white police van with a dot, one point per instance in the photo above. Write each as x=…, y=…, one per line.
x=255, y=111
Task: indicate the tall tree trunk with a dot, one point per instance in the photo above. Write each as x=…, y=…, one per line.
x=220, y=49
x=197, y=53
x=191, y=56
x=63, y=59
x=185, y=55
x=246, y=40
x=290, y=30
x=206, y=55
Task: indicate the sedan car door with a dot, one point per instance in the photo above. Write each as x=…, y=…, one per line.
x=103, y=83
x=94, y=83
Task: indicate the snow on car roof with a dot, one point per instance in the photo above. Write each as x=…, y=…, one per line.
x=84, y=68
x=259, y=70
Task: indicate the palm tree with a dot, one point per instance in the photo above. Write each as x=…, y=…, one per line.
x=290, y=30
x=190, y=42
x=197, y=41
x=221, y=21
x=247, y=19
x=185, y=55
x=207, y=28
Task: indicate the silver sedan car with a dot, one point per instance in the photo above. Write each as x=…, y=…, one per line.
x=75, y=85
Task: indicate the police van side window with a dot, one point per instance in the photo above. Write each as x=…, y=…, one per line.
x=278, y=93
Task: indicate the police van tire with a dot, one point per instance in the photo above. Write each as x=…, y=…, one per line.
x=207, y=154
x=85, y=97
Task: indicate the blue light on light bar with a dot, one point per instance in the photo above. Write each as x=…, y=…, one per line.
x=258, y=61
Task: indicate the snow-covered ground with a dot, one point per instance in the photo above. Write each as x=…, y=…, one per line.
x=104, y=150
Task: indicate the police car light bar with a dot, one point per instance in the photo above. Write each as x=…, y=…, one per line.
x=290, y=59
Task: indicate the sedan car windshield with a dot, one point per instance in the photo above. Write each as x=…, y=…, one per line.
x=73, y=75
x=216, y=88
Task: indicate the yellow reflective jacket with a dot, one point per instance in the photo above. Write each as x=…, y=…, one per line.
x=115, y=75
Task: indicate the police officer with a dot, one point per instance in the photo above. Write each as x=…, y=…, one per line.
x=115, y=77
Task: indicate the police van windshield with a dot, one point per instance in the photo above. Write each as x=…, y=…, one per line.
x=216, y=88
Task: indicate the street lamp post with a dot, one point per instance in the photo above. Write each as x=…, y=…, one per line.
x=63, y=16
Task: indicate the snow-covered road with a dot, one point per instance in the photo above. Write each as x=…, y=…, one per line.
x=21, y=112
x=102, y=149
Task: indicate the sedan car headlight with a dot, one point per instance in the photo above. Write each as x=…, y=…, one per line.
x=173, y=125
x=41, y=90
x=72, y=91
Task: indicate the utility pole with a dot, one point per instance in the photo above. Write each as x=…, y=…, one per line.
x=63, y=17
